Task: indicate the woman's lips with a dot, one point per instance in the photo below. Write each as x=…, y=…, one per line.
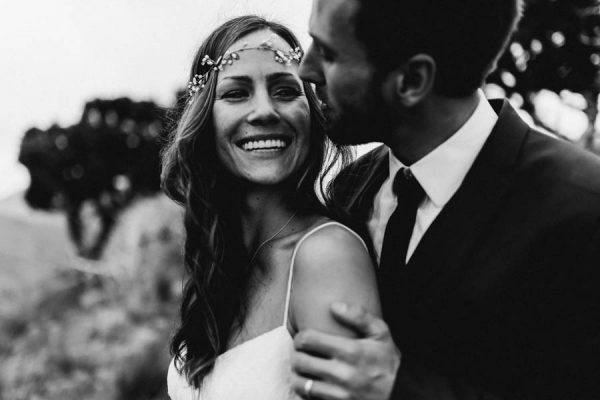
x=264, y=143
x=272, y=144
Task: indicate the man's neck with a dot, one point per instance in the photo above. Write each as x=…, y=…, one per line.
x=425, y=128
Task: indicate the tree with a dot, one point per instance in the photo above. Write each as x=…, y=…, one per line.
x=556, y=47
x=107, y=159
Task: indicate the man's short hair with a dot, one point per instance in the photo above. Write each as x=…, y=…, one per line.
x=464, y=37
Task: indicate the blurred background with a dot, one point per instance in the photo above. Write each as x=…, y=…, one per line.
x=90, y=258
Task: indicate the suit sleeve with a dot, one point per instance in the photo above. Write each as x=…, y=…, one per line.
x=418, y=383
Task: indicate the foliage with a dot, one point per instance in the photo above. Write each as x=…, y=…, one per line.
x=556, y=47
x=107, y=159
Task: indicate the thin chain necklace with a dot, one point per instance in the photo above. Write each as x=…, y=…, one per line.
x=260, y=246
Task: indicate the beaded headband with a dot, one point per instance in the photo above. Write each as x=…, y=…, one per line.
x=199, y=80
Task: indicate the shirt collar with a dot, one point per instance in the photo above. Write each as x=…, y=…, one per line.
x=441, y=172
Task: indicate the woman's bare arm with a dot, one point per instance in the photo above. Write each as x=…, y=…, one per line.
x=331, y=265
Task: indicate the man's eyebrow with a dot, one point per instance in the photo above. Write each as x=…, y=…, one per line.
x=316, y=39
x=321, y=44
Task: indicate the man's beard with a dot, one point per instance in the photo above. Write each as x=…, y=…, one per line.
x=353, y=124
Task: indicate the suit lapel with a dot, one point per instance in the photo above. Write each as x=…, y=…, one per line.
x=435, y=266
x=352, y=191
x=355, y=187
x=368, y=180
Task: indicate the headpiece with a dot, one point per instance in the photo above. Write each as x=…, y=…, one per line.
x=199, y=81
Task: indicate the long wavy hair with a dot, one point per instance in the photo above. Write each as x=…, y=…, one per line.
x=216, y=261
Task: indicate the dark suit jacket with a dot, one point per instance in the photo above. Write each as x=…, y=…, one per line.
x=501, y=298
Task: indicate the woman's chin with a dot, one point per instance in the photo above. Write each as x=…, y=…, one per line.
x=274, y=178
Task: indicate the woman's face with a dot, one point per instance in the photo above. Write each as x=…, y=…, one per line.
x=261, y=114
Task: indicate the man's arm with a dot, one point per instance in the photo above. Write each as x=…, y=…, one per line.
x=368, y=368
x=358, y=368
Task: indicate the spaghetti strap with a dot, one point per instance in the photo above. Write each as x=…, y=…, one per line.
x=291, y=269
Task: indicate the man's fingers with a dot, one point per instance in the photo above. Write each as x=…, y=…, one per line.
x=344, y=368
x=325, y=345
x=319, y=390
x=361, y=321
x=321, y=369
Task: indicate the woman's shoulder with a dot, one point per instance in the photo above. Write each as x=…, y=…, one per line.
x=329, y=234
x=330, y=247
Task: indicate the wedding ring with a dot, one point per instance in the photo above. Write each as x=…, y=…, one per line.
x=308, y=387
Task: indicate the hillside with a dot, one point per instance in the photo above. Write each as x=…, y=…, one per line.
x=33, y=247
x=73, y=329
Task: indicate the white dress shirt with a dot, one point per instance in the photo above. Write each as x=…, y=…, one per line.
x=440, y=173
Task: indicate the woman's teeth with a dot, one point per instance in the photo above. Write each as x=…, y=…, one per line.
x=264, y=145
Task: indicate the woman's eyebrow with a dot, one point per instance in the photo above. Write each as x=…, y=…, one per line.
x=275, y=76
x=243, y=78
x=282, y=75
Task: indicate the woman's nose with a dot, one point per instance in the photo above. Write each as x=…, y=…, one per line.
x=263, y=111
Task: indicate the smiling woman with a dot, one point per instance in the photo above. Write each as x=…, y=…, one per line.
x=264, y=261
x=261, y=114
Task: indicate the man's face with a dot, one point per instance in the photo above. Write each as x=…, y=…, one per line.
x=337, y=63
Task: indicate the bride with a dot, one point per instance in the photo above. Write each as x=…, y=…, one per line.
x=263, y=259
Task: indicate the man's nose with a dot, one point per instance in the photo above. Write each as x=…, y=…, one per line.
x=310, y=68
x=263, y=111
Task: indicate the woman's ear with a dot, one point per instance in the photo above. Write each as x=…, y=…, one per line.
x=412, y=82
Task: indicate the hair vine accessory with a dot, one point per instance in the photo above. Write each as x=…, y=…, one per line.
x=199, y=80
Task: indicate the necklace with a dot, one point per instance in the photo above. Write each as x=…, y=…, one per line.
x=260, y=246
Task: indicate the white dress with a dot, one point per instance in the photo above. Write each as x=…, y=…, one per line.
x=256, y=369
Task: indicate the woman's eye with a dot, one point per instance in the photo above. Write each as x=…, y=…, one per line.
x=234, y=94
x=288, y=92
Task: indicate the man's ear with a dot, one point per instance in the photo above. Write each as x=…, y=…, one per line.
x=410, y=83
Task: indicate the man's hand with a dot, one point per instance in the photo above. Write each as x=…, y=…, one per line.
x=344, y=368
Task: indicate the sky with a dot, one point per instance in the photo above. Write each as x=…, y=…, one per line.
x=57, y=54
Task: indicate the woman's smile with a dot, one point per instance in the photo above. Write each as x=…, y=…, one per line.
x=265, y=143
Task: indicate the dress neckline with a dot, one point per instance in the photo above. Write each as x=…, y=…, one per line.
x=255, y=338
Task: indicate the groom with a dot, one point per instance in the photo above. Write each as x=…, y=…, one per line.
x=486, y=231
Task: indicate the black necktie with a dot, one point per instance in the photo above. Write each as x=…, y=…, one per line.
x=400, y=225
